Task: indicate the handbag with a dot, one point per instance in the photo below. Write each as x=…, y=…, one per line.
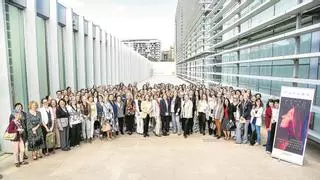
x=64, y=122
x=9, y=136
x=231, y=125
x=50, y=140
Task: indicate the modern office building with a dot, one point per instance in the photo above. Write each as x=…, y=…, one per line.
x=46, y=46
x=256, y=44
x=149, y=48
x=167, y=55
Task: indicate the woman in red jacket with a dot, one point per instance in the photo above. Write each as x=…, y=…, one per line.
x=268, y=116
x=18, y=145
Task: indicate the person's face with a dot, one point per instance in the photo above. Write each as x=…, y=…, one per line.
x=241, y=98
x=100, y=99
x=84, y=99
x=34, y=106
x=91, y=99
x=271, y=104
x=119, y=99
x=253, y=99
x=111, y=98
x=258, y=103
x=226, y=102
x=74, y=102
x=204, y=97
x=147, y=97
x=186, y=97
x=17, y=116
x=62, y=104
x=58, y=95
x=45, y=103
x=53, y=103
x=19, y=108
x=219, y=94
x=276, y=105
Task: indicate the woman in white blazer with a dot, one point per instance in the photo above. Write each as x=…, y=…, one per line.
x=47, y=118
x=256, y=119
x=187, y=111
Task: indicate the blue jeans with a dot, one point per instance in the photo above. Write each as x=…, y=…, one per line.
x=257, y=129
x=268, y=146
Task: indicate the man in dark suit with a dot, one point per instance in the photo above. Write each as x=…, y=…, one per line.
x=165, y=106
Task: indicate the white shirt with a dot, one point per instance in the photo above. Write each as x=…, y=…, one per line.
x=275, y=115
x=257, y=113
x=44, y=115
x=203, y=106
x=172, y=104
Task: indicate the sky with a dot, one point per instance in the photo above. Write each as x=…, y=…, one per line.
x=131, y=19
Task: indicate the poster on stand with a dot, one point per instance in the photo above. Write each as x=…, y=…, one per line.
x=293, y=123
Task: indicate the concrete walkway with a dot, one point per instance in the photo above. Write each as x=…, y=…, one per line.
x=165, y=158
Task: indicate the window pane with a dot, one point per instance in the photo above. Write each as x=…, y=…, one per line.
x=16, y=55
x=62, y=74
x=42, y=57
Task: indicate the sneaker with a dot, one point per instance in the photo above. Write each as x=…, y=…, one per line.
x=256, y=144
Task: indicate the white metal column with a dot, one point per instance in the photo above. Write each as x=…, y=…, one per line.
x=97, y=60
x=30, y=35
x=90, y=76
x=103, y=60
x=69, y=61
x=52, y=45
x=80, y=54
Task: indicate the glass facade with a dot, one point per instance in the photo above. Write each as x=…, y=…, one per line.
x=61, y=53
x=16, y=54
x=257, y=52
x=42, y=57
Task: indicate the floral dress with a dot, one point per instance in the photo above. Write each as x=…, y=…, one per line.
x=35, y=141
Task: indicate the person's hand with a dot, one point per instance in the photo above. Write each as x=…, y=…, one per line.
x=34, y=132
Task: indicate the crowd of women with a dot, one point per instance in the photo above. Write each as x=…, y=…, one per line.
x=108, y=111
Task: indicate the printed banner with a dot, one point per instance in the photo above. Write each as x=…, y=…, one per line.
x=293, y=124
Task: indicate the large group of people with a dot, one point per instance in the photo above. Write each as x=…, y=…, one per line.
x=105, y=112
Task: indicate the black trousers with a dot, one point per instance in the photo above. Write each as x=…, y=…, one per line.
x=75, y=135
x=129, y=123
x=190, y=125
x=121, y=123
x=183, y=123
x=187, y=124
x=210, y=122
x=272, y=133
x=44, y=132
x=202, y=122
x=146, y=125
x=165, y=123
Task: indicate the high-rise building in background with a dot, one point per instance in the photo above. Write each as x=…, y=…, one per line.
x=149, y=48
x=255, y=44
x=167, y=55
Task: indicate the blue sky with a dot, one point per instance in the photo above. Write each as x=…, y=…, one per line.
x=129, y=19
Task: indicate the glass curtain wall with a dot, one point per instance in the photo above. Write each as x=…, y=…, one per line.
x=16, y=55
x=62, y=71
x=42, y=57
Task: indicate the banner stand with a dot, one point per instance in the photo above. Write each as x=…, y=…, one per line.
x=292, y=127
